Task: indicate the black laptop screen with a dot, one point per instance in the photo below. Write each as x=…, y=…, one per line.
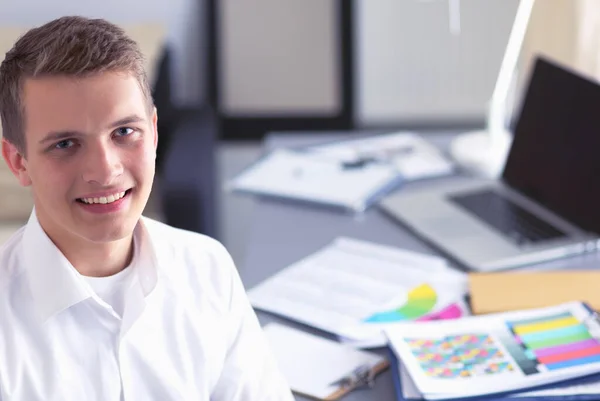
x=555, y=155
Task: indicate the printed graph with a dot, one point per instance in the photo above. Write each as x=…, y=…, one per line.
x=420, y=301
x=555, y=342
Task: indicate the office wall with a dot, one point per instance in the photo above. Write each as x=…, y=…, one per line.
x=411, y=69
x=278, y=57
x=183, y=19
x=567, y=31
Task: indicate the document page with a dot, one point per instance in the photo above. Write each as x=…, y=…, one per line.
x=354, y=288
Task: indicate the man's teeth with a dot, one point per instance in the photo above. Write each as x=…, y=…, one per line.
x=105, y=199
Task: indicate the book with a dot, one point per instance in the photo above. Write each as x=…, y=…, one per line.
x=499, y=354
x=320, y=368
x=503, y=292
x=353, y=289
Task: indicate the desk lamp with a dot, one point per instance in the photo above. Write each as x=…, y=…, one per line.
x=484, y=152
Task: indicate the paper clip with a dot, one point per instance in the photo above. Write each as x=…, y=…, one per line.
x=363, y=375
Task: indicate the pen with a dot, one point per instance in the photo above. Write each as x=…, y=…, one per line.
x=374, y=157
x=358, y=163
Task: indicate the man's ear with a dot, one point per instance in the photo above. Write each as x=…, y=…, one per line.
x=155, y=127
x=16, y=162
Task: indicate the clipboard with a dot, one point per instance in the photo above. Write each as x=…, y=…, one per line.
x=358, y=378
x=319, y=368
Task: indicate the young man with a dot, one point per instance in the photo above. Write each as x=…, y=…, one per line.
x=96, y=302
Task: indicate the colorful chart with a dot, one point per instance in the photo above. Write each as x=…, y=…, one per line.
x=465, y=355
x=421, y=301
x=556, y=342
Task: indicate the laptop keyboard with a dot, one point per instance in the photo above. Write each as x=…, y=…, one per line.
x=507, y=217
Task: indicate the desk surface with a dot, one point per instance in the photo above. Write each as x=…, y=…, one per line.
x=283, y=233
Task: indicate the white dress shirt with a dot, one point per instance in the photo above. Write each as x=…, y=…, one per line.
x=187, y=330
x=113, y=289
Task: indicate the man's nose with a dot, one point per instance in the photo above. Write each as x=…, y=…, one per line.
x=102, y=165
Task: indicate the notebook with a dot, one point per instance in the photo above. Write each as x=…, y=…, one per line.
x=499, y=354
x=320, y=368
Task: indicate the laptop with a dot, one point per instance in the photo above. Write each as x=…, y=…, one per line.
x=546, y=204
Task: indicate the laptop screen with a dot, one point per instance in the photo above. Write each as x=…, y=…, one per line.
x=555, y=155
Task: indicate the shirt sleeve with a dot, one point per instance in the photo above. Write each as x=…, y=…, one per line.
x=250, y=371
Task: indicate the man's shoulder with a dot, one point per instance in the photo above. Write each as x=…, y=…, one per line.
x=179, y=238
x=190, y=245
x=193, y=262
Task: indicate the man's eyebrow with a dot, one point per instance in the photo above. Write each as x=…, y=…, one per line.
x=134, y=118
x=60, y=135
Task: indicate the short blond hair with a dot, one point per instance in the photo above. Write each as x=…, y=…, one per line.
x=68, y=46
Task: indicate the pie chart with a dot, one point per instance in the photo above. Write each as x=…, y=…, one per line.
x=420, y=302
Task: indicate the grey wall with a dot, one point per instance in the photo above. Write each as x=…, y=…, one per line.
x=183, y=19
x=411, y=68
x=279, y=57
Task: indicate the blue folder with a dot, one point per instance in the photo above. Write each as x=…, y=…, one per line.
x=395, y=370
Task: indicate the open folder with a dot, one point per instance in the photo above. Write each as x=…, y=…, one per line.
x=586, y=389
x=534, y=352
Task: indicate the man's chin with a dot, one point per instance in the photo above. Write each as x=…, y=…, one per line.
x=108, y=233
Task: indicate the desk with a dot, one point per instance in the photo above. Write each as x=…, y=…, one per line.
x=283, y=233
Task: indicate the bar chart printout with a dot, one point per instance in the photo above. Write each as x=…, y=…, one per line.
x=552, y=342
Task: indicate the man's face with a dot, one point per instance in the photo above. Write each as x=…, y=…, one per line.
x=91, y=149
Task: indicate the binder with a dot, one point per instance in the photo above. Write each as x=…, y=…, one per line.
x=395, y=366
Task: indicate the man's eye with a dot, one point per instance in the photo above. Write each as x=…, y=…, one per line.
x=64, y=144
x=125, y=131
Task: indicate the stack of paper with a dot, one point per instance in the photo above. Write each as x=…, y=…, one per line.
x=532, y=353
x=413, y=156
x=305, y=177
x=354, y=289
x=352, y=174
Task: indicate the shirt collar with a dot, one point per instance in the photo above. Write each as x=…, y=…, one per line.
x=149, y=249
x=56, y=285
